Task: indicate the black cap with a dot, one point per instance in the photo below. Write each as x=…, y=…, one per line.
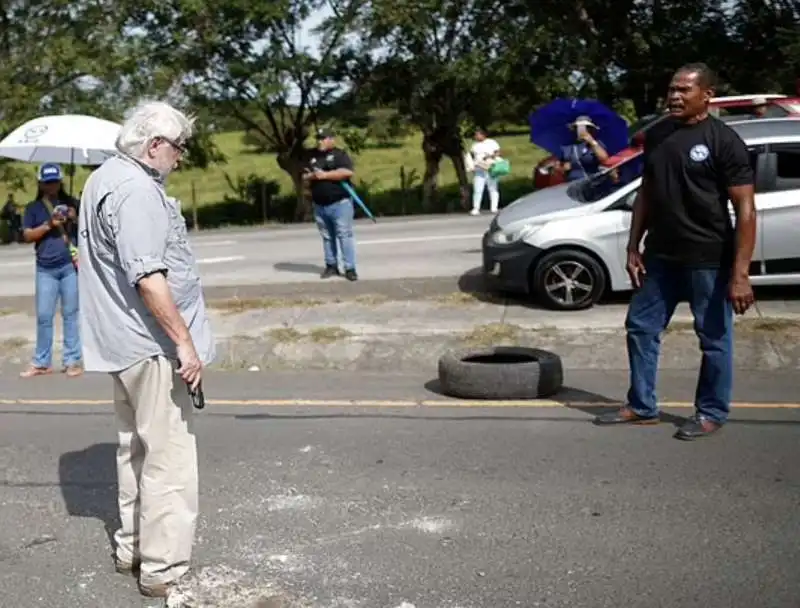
x=324, y=134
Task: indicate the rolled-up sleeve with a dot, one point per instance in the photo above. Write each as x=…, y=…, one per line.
x=141, y=231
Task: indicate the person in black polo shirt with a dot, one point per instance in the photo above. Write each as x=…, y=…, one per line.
x=693, y=164
x=329, y=166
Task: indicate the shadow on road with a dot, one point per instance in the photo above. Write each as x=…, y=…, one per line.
x=472, y=283
x=573, y=398
x=297, y=267
x=88, y=481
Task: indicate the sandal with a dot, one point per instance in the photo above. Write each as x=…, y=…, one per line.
x=35, y=371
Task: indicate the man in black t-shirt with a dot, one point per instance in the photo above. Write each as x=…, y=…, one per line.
x=329, y=166
x=693, y=165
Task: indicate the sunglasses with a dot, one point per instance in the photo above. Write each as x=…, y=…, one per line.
x=179, y=147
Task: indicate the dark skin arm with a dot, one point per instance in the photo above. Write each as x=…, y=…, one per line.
x=34, y=235
x=635, y=263
x=740, y=291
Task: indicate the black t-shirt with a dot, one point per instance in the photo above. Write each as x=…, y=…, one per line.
x=325, y=192
x=687, y=172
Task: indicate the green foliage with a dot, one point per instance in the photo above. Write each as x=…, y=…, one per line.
x=248, y=60
x=626, y=109
x=355, y=139
x=51, y=50
x=256, y=191
x=382, y=72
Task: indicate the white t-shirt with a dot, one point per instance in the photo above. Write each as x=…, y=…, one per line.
x=482, y=151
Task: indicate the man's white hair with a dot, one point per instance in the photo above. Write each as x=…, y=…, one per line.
x=150, y=120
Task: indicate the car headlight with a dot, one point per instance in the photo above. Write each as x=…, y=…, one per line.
x=506, y=238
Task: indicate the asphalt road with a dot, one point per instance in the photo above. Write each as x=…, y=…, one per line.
x=417, y=247
x=427, y=507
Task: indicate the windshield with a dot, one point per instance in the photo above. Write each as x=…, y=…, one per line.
x=598, y=186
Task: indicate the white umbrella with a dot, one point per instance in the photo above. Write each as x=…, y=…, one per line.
x=73, y=139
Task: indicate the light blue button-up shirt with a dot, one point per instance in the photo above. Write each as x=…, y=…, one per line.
x=129, y=228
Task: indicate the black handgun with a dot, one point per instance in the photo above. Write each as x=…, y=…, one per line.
x=198, y=398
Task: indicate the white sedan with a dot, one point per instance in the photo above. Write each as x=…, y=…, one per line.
x=565, y=245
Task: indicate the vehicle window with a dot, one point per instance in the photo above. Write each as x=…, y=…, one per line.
x=628, y=199
x=776, y=111
x=788, y=170
x=732, y=112
x=753, y=153
x=598, y=186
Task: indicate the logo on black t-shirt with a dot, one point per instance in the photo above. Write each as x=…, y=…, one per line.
x=698, y=153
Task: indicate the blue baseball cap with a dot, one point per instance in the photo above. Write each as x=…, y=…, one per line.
x=50, y=172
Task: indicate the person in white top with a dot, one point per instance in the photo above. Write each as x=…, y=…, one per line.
x=484, y=151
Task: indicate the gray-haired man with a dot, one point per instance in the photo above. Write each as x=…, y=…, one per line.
x=142, y=311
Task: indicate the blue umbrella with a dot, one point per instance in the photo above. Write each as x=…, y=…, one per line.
x=550, y=124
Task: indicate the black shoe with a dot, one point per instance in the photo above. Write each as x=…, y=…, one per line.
x=350, y=275
x=330, y=271
x=696, y=427
x=624, y=415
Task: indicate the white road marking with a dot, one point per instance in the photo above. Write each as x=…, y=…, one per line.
x=221, y=260
x=420, y=239
x=217, y=260
x=201, y=243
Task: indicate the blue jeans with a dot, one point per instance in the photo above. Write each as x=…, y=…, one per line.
x=335, y=223
x=50, y=284
x=652, y=307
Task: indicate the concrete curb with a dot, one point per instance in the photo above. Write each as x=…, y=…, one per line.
x=408, y=353
x=410, y=337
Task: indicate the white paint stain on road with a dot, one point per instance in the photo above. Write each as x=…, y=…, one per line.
x=430, y=525
x=224, y=587
x=291, y=501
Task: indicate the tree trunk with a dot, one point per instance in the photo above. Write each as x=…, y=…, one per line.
x=294, y=164
x=430, y=181
x=302, y=209
x=463, y=178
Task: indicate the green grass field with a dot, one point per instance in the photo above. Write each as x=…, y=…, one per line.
x=378, y=171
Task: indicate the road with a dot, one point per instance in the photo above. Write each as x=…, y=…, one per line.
x=440, y=246
x=430, y=507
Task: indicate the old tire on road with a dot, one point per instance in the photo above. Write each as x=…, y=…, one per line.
x=501, y=373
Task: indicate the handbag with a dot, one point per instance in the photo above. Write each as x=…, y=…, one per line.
x=73, y=250
x=500, y=168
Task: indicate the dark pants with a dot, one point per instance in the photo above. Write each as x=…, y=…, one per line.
x=706, y=289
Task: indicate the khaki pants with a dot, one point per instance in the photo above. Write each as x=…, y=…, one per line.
x=157, y=470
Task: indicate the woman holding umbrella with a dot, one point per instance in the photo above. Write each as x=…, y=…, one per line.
x=586, y=154
x=51, y=223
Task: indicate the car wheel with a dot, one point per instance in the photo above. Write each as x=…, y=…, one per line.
x=568, y=279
